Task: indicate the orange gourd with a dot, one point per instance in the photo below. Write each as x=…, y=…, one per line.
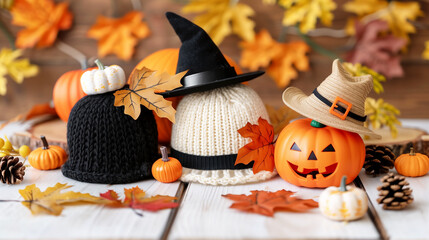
x=412, y=164
x=165, y=60
x=67, y=91
x=47, y=157
x=166, y=169
x=311, y=154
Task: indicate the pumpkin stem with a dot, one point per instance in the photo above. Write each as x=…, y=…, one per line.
x=343, y=184
x=164, y=154
x=99, y=64
x=45, y=142
x=412, y=153
x=317, y=124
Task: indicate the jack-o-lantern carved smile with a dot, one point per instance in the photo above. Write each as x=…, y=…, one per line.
x=315, y=173
x=311, y=154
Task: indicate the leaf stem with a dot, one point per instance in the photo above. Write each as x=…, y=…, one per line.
x=316, y=46
x=8, y=34
x=73, y=52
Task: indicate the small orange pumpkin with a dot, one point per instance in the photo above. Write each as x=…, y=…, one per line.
x=165, y=60
x=166, y=169
x=310, y=154
x=47, y=157
x=412, y=164
x=67, y=91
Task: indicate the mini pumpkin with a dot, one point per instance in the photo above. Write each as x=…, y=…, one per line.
x=412, y=164
x=47, y=157
x=166, y=169
x=102, y=80
x=343, y=203
x=310, y=154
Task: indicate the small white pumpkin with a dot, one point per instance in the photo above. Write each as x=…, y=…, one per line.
x=103, y=79
x=343, y=203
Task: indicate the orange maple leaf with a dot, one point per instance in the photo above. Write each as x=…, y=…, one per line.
x=144, y=85
x=280, y=58
x=119, y=36
x=282, y=67
x=135, y=198
x=42, y=20
x=260, y=149
x=266, y=203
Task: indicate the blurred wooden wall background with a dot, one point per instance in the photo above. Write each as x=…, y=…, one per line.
x=410, y=93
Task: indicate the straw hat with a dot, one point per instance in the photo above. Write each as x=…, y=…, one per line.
x=339, y=101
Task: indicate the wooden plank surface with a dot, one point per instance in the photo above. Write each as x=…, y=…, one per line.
x=413, y=221
x=80, y=222
x=205, y=214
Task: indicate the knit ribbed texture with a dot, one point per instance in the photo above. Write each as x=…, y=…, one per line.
x=107, y=146
x=206, y=125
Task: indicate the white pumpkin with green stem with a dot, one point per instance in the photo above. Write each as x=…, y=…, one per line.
x=343, y=203
x=102, y=80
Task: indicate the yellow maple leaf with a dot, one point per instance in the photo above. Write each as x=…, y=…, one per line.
x=425, y=53
x=42, y=20
x=223, y=17
x=144, y=85
x=306, y=13
x=52, y=200
x=119, y=36
x=397, y=14
x=17, y=69
x=282, y=67
x=379, y=114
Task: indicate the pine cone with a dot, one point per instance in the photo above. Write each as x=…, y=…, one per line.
x=12, y=170
x=392, y=194
x=378, y=160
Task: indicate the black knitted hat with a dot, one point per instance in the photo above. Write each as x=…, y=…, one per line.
x=108, y=146
x=206, y=65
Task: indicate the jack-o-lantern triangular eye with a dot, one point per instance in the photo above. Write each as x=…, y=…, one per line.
x=295, y=147
x=329, y=148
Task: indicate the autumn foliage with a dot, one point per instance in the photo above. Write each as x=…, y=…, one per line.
x=42, y=20
x=267, y=203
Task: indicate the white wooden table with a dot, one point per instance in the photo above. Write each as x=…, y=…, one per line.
x=204, y=214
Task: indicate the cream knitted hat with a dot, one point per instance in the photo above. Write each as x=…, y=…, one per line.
x=205, y=138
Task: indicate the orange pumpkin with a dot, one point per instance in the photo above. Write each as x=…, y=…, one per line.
x=165, y=60
x=311, y=154
x=47, y=157
x=67, y=91
x=412, y=164
x=166, y=169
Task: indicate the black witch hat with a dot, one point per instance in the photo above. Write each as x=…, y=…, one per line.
x=206, y=65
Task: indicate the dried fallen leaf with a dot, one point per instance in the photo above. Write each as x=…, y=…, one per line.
x=119, y=36
x=377, y=50
x=144, y=85
x=361, y=70
x=281, y=117
x=267, y=203
x=42, y=20
x=260, y=149
x=135, y=198
x=306, y=13
x=399, y=15
x=223, y=17
x=425, y=53
x=282, y=59
x=52, y=201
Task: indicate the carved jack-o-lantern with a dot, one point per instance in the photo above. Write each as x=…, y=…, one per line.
x=310, y=154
